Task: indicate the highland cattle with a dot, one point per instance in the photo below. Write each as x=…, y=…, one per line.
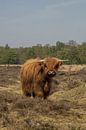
x=36, y=76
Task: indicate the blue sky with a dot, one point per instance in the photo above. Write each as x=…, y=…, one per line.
x=30, y=22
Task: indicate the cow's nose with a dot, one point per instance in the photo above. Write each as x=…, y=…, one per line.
x=51, y=73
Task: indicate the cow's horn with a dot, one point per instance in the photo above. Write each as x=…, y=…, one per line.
x=63, y=60
x=42, y=60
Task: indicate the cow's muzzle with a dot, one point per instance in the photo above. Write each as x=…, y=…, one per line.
x=51, y=73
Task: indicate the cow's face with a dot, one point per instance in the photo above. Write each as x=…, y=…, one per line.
x=51, y=66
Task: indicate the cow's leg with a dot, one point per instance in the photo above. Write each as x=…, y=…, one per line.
x=47, y=87
x=38, y=91
x=26, y=90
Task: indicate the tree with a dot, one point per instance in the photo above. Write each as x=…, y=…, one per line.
x=73, y=55
x=7, y=46
x=59, y=45
x=10, y=56
x=82, y=53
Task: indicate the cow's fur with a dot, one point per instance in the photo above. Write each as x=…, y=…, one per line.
x=36, y=76
x=51, y=65
x=32, y=78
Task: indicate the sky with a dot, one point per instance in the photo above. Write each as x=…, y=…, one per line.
x=31, y=22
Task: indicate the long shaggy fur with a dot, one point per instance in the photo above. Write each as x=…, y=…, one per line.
x=33, y=78
x=36, y=77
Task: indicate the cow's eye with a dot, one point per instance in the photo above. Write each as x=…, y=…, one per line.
x=42, y=70
x=40, y=63
x=45, y=65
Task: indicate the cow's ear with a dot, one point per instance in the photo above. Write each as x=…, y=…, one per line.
x=60, y=63
x=56, y=66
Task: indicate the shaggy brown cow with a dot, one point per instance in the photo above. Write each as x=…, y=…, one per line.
x=33, y=78
x=51, y=67
x=36, y=76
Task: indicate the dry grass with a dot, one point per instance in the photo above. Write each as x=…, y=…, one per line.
x=65, y=108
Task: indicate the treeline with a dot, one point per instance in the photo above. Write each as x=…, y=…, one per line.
x=74, y=53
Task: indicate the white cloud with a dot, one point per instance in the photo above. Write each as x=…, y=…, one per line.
x=64, y=3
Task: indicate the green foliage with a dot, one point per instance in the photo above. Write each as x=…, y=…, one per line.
x=75, y=53
x=8, y=56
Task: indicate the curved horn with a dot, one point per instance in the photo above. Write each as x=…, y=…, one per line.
x=63, y=60
x=42, y=60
